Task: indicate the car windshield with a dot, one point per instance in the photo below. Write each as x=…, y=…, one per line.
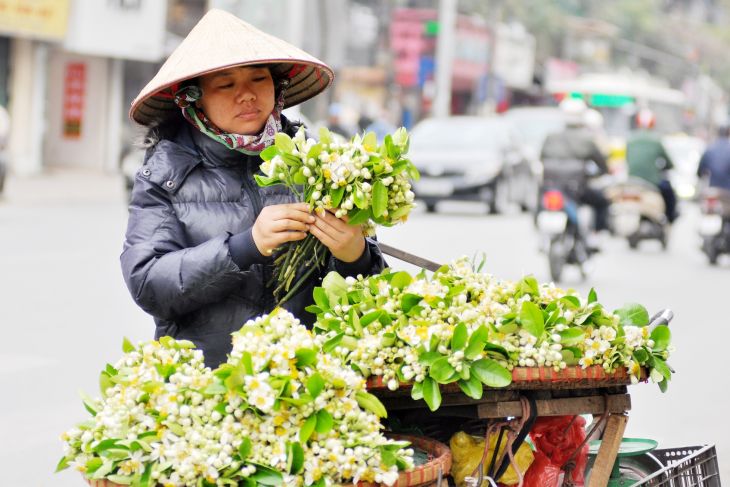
x=449, y=134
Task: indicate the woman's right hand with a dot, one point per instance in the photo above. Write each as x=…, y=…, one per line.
x=278, y=224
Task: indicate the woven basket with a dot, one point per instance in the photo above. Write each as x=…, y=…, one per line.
x=536, y=378
x=426, y=475
x=422, y=475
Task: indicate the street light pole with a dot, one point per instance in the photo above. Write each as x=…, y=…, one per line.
x=445, y=44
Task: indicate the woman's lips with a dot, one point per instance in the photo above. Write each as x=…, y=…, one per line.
x=248, y=115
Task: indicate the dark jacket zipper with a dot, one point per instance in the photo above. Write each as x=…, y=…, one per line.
x=250, y=190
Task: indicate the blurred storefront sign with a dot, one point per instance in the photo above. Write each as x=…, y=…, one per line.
x=514, y=56
x=111, y=29
x=413, y=42
x=73, y=99
x=35, y=19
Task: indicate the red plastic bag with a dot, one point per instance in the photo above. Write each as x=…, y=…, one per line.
x=543, y=473
x=558, y=437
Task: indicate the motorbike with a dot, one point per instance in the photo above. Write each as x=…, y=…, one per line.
x=637, y=212
x=715, y=223
x=562, y=221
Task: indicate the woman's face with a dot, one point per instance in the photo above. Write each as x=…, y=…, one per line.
x=238, y=100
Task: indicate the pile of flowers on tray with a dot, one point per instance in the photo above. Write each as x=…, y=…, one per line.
x=367, y=183
x=279, y=412
x=460, y=325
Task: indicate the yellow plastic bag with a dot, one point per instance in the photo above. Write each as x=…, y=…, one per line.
x=467, y=451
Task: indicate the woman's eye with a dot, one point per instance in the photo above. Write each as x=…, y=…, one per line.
x=229, y=85
x=261, y=78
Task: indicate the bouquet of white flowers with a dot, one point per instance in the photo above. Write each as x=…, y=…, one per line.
x=367, y=183
x=279, y=412
x=463, y=326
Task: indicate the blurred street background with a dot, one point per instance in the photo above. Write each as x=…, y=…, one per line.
x=478, y=82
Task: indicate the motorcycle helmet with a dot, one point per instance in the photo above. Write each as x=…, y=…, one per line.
x=574, y=110
x=645, y=119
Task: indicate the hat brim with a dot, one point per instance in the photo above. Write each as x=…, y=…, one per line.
x=306, y=79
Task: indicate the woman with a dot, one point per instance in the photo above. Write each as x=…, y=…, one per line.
x=201, y=234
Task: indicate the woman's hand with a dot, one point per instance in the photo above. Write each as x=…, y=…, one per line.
x=278, y=224
x=346, y=242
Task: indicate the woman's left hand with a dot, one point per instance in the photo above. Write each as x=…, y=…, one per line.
x=346, y=242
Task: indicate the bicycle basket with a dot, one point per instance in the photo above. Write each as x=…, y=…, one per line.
x=694, y=466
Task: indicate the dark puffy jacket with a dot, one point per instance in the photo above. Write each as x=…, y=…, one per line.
x=193, y=205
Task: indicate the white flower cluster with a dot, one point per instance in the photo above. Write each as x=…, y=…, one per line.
x=347, y=451
x=154, y=416
x=166, y=417
x=344, y=177
x=410, y=319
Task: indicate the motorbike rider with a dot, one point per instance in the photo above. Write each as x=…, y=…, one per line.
x=576, y=143
x=647, y=159
x=715, y=162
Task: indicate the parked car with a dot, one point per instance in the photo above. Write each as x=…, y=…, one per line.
x=470, y=158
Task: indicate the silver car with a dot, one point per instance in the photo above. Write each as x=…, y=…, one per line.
x=470, y=158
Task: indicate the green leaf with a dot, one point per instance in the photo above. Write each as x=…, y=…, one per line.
x=324, y=422
x=663, y=385
x=572, y=336
x=104, y=445
x=370, y=141
x=306, y=357
x=215, y=388
x=493, y=348
x=336, y=195
x=441, y=370
x=294, y=458
x=532, y=319
x=105, y=382
x=592, y=298
x=371, y=403
x=269, y=153
x=380, y=198
x=570, y=302
x=662, y=367
x=267, y=476
x=127, y=346
x=641, y=356
x=146, y=476
x=491, y=373
x=335, y=286
x=417, y=391
x=359, y=217
x=472, y=387
x=325, y=136
x=459, y=337
x=308, y=428
x=429, y=357
x=528, y=285
x=370, y=317
x=662, y=337
x=431, y=394
x=284, y=143
x=330, y=345
x=299, y=401
x=62, y=464
x=408, y=301
x=247, y=362
x=477, y=340
x=244, y=449
x=633, y=314
x=265, y=181
x=315, y=384
x=400, y=280
x=299, y=177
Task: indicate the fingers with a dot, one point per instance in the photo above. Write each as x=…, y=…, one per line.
x=323, y=237
x=289, y=225
x=297, y=211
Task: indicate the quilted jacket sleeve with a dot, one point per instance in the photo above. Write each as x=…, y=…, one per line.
x=166, y=277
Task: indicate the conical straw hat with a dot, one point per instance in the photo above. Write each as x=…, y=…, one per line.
x=219, y=41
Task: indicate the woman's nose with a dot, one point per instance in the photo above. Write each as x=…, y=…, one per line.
x=245, y=94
